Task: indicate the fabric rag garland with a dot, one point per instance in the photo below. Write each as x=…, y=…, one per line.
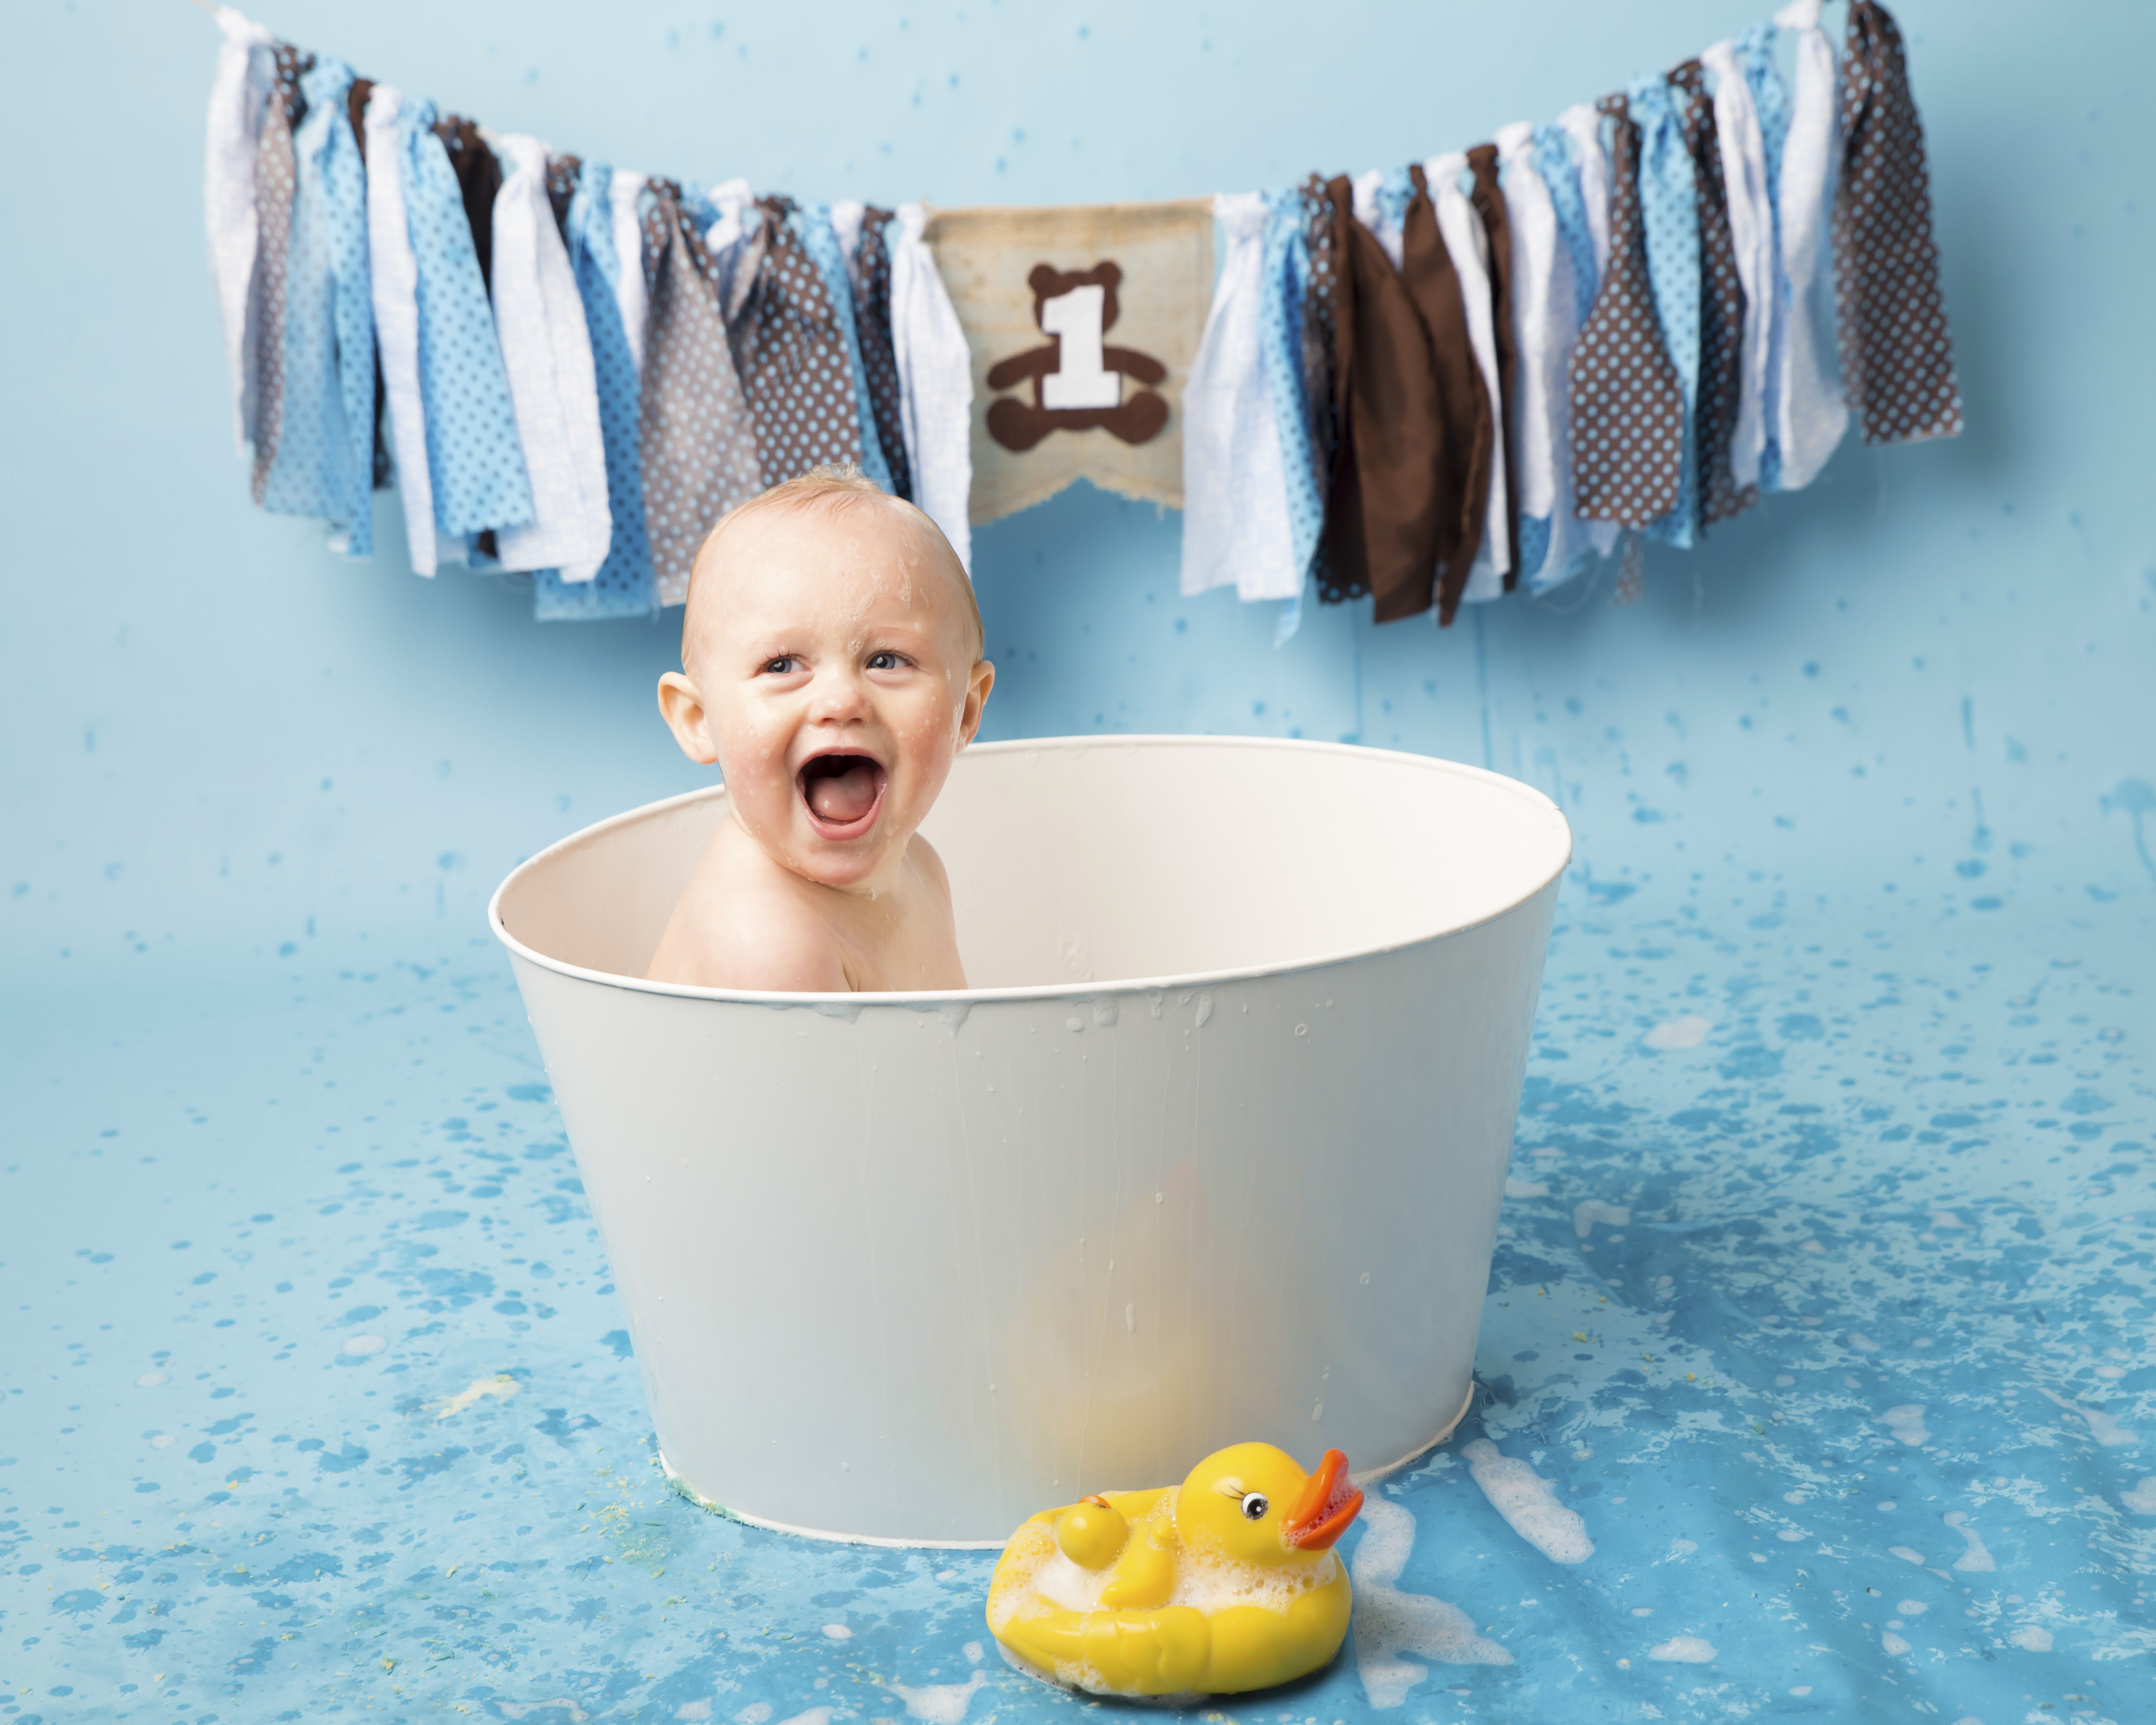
x=1429, y=385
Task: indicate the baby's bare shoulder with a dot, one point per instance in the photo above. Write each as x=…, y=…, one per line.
x=736, y=935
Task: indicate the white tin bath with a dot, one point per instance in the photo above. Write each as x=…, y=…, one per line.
x=1213, y=1149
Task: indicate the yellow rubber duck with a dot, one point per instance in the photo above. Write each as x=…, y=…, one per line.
x=1223, y=1583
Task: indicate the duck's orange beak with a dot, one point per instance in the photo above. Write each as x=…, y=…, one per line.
x=1323, y=1508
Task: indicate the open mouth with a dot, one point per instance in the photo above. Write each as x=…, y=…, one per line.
x=842, y=791
x=1325, y=1507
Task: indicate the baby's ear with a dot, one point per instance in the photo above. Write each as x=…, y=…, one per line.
x=682, y=705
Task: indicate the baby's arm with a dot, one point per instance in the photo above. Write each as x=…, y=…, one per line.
x=759, y=941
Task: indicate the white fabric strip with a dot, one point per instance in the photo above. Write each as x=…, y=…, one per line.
x=1813, y=414
x=548, y=352
x=237, y=98
x=1758, y=264
x=935, y=382
x=1235, y=530
x=631, y=297
x=1584, y=126
x=1470, y=249
x=394, y=281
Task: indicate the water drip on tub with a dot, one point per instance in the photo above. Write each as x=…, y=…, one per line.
x=1204, y=1010
x=847, y=1011
x=954, y=1015
x=1105, y=1014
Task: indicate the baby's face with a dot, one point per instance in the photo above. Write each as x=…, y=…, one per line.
x=838, y=678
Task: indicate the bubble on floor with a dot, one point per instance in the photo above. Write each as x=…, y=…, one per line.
x=1892, y=1643
x=1528, y=1503
x=1516, y=1187
x=362, y=1345
x=2103, y=1426
x=2141, y=1500
x=838, y=1632
x=1908, y=1424
x=1388, y=1623
x=501, y=1386
x=1976, y=1558
x=1687, y=1032
x=940, y=1703
x=1585, y=1216
x=1905, y=1553
x=2034, y=1637
x=1684, y=1650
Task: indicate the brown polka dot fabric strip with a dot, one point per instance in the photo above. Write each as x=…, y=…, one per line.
x=700, y=454
x=1627, y=406
x=1489, y=204
x=879, y=356
x=790, y=352
x=1721, y=310
x=276, y=183
x=1896, y=357
x=1321, y=363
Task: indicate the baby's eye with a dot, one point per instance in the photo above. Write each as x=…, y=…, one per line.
x=784, y=665
x=884, y=661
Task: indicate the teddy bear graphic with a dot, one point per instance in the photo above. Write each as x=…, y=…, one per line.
x=1077, y=380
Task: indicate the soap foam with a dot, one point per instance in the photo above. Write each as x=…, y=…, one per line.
x=2034, y=1637
x=1687, y=1032
x=2141, y=1499
x=1976, y=1557
x=1389, y=1623
x=1585, y=1216
x=1908, y=1424
x=1684, y=1650
x=2105, y=1430
x=1528, y=1503
x=940, y=1703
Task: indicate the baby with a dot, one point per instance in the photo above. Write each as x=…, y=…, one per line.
x=831, y=664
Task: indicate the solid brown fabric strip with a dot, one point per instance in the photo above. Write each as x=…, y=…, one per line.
x=790, y=352
x=1896, y=356
x=1343, y=553
x=879, y=355
x=1627, y=406
x=479, y=178
x=700, y=456
x=1466, y=434
x=1397, y=430
x=1721, y=310
x=1321, y=364
x=1489, y=203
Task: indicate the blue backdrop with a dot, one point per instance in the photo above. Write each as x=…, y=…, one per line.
x=1862, y=794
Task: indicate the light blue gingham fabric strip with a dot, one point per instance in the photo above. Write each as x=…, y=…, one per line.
x=626, y=584
x=325, y=464
x=814, y=223
x=1556, y=160
x=1279, y=340
x=1669, y=209
x=1770, y=98
x=472, y=456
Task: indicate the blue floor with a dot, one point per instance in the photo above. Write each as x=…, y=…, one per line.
x=1822, y=1299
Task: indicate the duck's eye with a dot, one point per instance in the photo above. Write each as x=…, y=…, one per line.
x=1255, y=1505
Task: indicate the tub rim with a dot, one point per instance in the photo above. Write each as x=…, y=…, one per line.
x=930, y=998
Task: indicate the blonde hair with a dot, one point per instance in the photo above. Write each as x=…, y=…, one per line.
x=838, y=489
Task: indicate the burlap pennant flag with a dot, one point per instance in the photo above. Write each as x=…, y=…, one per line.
x=1082, y=323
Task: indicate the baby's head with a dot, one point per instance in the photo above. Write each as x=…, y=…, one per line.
x=832, y=665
